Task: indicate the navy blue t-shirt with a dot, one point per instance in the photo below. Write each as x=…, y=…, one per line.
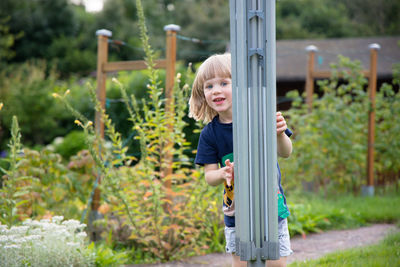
x=215, y=144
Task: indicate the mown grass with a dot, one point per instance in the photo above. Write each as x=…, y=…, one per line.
x=314, y=213
x=386, y=253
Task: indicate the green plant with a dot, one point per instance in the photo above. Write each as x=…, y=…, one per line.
x=26, y=92
x=162, y=200
x=331, y=141
x=13, y=186
x=59, y=187
x=71, y=144
x=105, y=256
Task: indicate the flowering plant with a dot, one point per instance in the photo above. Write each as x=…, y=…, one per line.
x=48, y=242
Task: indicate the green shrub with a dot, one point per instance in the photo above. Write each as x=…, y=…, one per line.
x=330, y=142
x=71, y=144
x=26, y=93
x=38, y=183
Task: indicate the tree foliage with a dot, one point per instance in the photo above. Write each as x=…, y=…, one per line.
x=58, y=30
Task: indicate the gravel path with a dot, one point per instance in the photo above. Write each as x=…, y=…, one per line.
x=312, y=247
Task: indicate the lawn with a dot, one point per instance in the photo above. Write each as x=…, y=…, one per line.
x=386, y=253
x=315, y=213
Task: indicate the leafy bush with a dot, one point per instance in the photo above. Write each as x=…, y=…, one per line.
x=162, y=200
x=71, y=144
x=330, y=142
x=26, y=93
x=45, y=243
x=38, y=183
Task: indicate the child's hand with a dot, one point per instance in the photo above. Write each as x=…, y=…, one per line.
x=280, y=123
x=228, y=172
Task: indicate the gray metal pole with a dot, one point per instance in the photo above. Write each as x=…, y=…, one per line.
x=254, y=129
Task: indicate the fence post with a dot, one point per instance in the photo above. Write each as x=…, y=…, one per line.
x=369, y=189
x=102, y=58
x=311, y=49
x=171, y=31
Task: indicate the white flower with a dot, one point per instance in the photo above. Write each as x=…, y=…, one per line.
x=3, y=238
x=58, y=218
x=32, y=237
x=12, y=246
x=73, y=244
x=81, y=235
x=27, y=222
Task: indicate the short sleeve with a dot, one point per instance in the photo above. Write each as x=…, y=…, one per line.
x=207, y=152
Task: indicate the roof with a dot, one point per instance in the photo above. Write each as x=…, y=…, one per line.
x=291, y=59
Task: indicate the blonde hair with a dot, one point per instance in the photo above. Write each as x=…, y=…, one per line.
x=215, y=66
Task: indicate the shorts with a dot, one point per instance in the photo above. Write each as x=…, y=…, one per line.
x=283, y=237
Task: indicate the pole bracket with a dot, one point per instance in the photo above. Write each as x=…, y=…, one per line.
x=255, y=13
x=260, y=55
x=247, y=251
x=270, y=250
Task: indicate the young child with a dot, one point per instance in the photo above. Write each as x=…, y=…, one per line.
x=211, y=101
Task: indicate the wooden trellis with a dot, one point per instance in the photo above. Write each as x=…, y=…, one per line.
x=104, y=67
x=371, y=74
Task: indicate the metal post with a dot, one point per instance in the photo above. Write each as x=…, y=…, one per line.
x=311, y=49
x=254, y=129
x=369, y=189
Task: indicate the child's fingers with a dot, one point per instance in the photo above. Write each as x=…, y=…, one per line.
x=228, y=163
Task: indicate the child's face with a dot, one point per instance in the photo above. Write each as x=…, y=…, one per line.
x=218, y=93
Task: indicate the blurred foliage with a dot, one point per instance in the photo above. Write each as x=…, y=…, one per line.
x=64, y=34
x=26, y=91
x=71, y=144
x=41, y=21
x=331, y=141
x=59, y=188
x=6, y=40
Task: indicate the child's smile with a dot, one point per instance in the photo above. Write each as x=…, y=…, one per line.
x=219, y=100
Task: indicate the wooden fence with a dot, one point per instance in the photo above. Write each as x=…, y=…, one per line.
x=371, y=74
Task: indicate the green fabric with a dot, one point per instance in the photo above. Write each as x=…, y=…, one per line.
x=224, y=158
x=283, y=211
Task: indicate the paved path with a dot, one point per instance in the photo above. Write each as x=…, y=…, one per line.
x=312, y=247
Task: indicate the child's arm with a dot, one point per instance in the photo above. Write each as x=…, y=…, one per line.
x=215, y=176
x=284, y=144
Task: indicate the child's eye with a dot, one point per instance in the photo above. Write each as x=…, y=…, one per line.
x=224, y=83
x=209, y=86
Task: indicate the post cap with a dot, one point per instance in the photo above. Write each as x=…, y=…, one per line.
x=172, y=27
x=374, y=46
x=311, y=48
x=104, y=32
